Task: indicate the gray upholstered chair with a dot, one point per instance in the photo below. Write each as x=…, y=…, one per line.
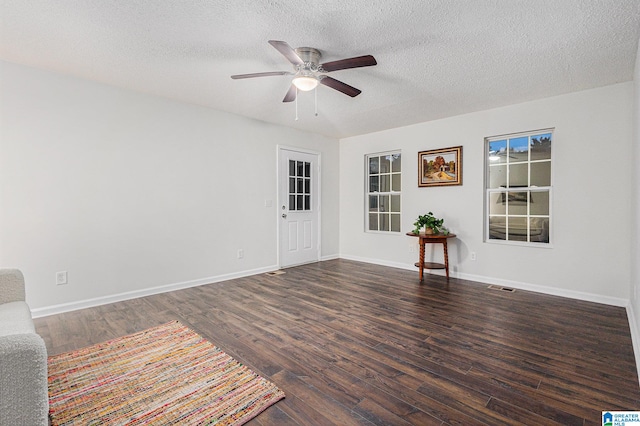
x=24, y=398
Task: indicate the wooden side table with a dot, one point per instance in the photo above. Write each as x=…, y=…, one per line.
x=432, y=239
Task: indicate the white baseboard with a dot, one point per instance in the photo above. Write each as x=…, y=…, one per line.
x=635, y=336
x=329, y=257
x=552, y=291
x=72, y=306
x=88, y=303
x=571, y=294
x=380, y=262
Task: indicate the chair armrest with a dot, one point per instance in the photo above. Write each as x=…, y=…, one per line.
x=24, y=394
x=11, y=286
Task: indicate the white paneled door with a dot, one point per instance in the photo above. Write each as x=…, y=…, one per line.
x=299, y=207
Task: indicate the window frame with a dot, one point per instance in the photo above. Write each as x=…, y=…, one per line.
x=391, y=193
x=511, y=190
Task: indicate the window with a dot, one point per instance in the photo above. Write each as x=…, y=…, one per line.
x=299, y=185
x=384, y=174
x=518, y=188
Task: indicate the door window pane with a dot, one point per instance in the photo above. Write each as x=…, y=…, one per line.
x=299, y=185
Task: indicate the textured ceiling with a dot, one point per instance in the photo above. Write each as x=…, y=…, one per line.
x=435, y=58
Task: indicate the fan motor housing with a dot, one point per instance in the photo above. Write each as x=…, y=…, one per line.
x=309, y=55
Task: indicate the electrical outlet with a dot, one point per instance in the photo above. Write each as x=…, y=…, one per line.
x=473, y=256
x=61, y=278
x=240, y=253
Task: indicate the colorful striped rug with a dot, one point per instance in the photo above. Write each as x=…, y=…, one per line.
x=162, y=376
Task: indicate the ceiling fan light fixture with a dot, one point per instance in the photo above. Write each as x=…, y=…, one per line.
x=309, y=72
x=305, y=82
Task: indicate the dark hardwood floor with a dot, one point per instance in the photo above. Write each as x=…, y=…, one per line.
x=354, y=343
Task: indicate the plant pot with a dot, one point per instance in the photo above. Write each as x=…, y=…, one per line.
x=428, y=231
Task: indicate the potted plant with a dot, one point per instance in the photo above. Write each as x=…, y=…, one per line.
x=429, y=222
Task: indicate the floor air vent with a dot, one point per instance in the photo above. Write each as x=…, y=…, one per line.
x=276, y=273
x=498, y=287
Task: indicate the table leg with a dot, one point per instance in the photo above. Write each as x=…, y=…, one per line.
x=446, y=257
x=421, y=259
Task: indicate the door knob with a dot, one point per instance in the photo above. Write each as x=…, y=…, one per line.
x=284, y=215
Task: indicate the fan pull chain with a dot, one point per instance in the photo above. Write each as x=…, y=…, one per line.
x=316, y=96
x=296, y=104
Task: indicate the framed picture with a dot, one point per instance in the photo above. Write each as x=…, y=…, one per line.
x=440, y=167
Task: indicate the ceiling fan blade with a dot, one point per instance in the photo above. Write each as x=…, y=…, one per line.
x=291, y=94
x=288, y=52
x=260, y=74
x=340, y=86
x=357, y=62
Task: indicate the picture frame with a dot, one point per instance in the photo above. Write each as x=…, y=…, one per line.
x=440, y=167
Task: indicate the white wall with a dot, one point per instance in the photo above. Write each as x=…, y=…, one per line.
x=634, y=307
x=129, y=192
x=592, y=184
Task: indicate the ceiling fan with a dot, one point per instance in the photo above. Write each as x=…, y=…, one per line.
x=308, y=71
